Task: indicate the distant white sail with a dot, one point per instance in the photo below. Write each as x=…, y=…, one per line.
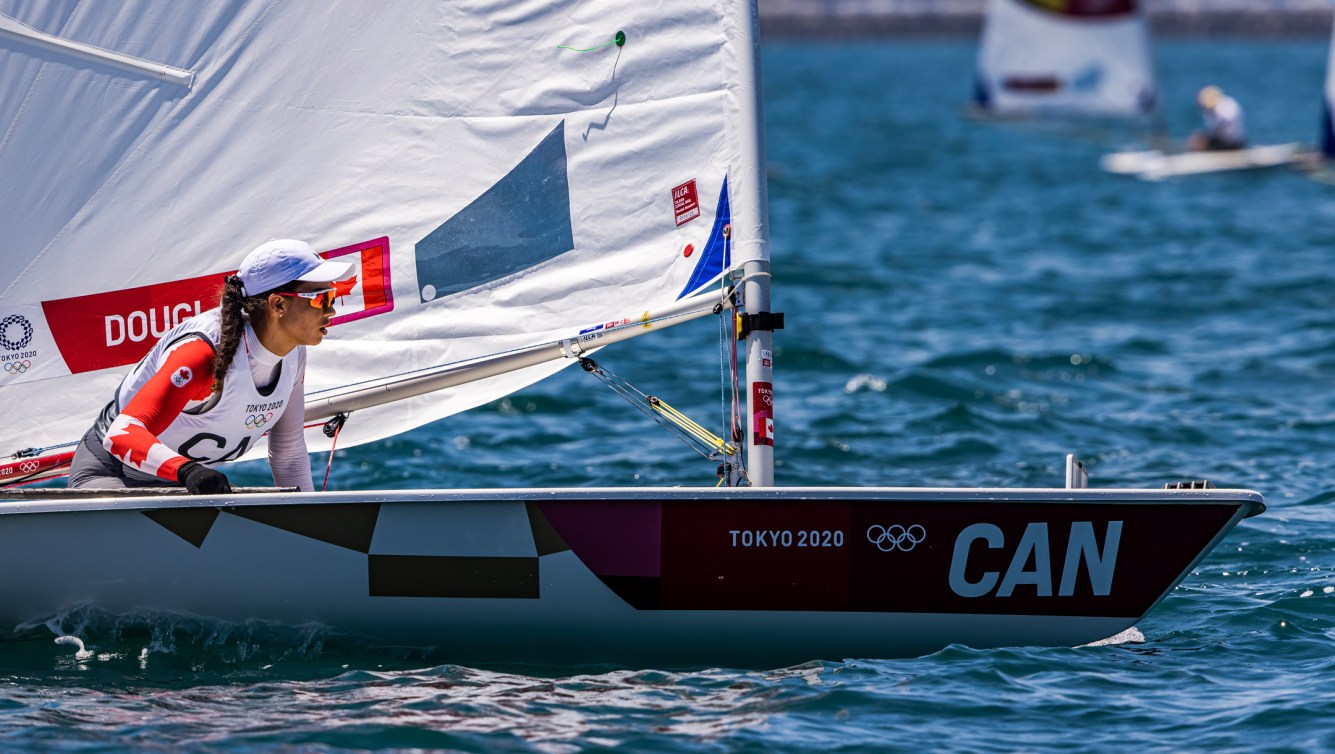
x=1328, y=104
x=1065, y=57
x=503, y=173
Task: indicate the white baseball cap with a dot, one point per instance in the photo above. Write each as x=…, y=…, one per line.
x=281, y=261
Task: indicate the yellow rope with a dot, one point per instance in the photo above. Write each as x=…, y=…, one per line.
x=692, y=428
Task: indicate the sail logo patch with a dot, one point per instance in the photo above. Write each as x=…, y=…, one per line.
x=182, y=377
x=15, y=332
x=24, y=346
x=685, y=202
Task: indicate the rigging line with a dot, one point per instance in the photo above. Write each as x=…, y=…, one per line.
x=548, y=344
x=728, y=338
x=726, y=296
x=757, y=274
x=645, y=405
x=722, y=372
x=659, y=419
x=30, y=452
x=691, y=427
x=737, y=423
x=337, y=423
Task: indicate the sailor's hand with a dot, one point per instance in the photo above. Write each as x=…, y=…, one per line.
x=201, y=480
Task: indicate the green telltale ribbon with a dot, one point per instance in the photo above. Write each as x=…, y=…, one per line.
x=619, y=40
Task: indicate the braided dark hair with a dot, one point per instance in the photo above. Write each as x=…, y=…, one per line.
x=236, y=306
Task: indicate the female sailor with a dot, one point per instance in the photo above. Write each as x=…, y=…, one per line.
x=218, y=382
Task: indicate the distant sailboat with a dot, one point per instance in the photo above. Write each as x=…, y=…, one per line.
x=1081, y=58
x=1155, y=165
x=1163, y=161
x=1317, y=163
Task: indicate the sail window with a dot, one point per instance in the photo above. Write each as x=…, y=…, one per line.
x=521, y=221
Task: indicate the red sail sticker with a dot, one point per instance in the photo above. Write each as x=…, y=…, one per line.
x=685, y=202
x=373, y=288
x=762, y=413
x=104, y=330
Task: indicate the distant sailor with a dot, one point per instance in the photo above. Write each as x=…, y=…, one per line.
x=1224, y=126
x=218, y=382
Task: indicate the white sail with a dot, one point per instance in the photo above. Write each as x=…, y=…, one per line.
x=1328, y=104
x=1065, y=57
x=504, y=174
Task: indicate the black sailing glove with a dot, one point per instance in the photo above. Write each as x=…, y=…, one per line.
x=201, y=480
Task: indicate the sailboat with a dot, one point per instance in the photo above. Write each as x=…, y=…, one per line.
x=1081, y=58
x=1316, y=163
x=1328, y=105
x=1164, y=161
x=1157, y=165
x=518, y=185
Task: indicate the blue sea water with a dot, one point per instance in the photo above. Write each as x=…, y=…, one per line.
x=966, y=302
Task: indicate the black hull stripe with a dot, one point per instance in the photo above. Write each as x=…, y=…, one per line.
x=467, y=577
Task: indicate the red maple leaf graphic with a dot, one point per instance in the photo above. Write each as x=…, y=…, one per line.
x=344, y=287
x=135, y=441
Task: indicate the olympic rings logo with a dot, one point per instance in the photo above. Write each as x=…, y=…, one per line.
x=28, y=467
x=17, y=367
x=23, y=324
x=896, y=537
x=255, y=421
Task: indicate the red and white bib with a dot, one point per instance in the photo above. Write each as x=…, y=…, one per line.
x=211, y=428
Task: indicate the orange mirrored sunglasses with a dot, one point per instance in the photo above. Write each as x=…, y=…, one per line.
x=318, y=299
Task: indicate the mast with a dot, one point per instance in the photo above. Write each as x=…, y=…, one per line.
x=750, y=239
